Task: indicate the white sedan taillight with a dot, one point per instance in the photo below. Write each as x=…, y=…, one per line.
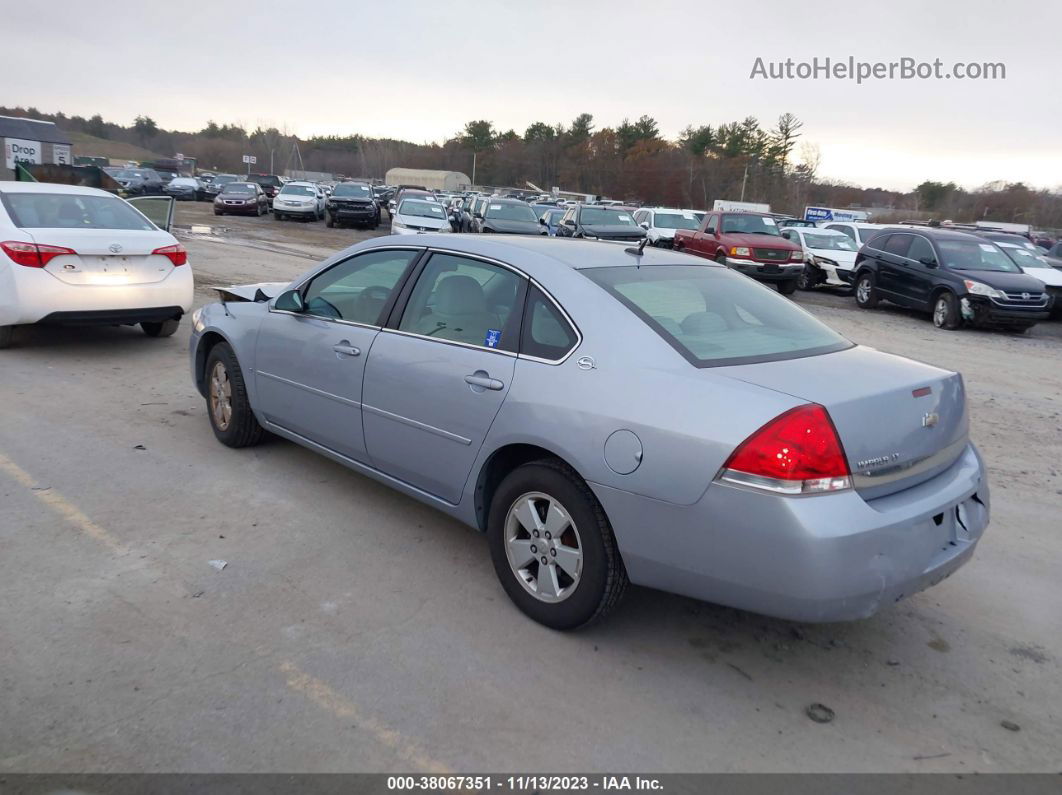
x=33, y=255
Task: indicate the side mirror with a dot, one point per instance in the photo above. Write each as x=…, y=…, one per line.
x=644, y=225
x=290, y=301
x=929, y=262
x=542, y=222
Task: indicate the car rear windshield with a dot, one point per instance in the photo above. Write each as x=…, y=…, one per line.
x=360, y=191
x=266, y=179
x=715, y=317
x=746, y=224
x=675, y=221
x=511, y=212
x=66, y=211
x=596, y=216
x=971, y=255
x=421, y=209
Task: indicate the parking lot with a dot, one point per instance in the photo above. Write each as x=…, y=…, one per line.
x=355, y=629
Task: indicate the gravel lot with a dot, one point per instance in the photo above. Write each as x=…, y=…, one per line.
x=356, y=630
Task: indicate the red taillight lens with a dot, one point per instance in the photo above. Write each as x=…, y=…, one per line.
x=176, y=254
x=33, y=255
x=797, y=452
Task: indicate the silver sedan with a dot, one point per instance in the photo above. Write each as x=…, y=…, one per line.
x=607, y=415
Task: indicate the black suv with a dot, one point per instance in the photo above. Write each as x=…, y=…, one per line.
x=270, y=183
x=353, y=202
x=599, y=223
x=957, y=277
x=507, y=217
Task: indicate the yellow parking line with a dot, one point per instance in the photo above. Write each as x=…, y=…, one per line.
x=58, y=503
x=325, y=697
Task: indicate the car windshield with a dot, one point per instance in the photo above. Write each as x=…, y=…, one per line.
x=298, y=190
x=715, y=317
x=1024, y=257
x=511, y=212
x=970, y=255
x=187, y=181
x=747, y=224
x=675, y=221
x=837, y=242
x=68, y=211
x=224, y=179
x=239, y=187
x=127, y=173
x=421, y=209
x=599, y=216
x=358, y=191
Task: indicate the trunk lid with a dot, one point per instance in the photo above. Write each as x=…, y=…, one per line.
x=107, y=256
x=901, y=422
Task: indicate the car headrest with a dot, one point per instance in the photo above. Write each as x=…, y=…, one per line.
x=459, y=295
x=703, y=323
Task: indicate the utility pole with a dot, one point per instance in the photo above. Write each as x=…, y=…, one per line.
x=744, y=179
x=473, y=166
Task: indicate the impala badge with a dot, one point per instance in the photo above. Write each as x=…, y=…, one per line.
x=930, y=419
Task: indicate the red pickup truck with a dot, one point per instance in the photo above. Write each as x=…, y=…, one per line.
x=747, y=242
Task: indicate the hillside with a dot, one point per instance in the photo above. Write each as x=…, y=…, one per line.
x=85, y=144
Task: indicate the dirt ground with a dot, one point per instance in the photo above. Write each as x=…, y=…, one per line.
x=356, y=630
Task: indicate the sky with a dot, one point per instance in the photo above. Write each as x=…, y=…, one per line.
x=418, y=70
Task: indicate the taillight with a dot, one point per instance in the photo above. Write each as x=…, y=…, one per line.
x=797, y=452
x=176, y=254
x=33, y=255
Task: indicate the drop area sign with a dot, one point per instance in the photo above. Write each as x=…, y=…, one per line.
x=819, y=214
x=18, y=151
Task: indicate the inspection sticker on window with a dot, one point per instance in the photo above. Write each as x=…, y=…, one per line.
x=493, y=338
x=495, y=207
x=987, y=247
x=768, y=221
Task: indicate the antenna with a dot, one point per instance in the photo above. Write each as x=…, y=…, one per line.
x=637, y=250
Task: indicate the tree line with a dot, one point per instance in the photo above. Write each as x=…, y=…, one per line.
x=768, y=163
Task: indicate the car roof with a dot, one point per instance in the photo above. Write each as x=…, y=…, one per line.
x=861, y=224
x=818, y=230
x=550, y=251
x=10, y=186
x=301, y=182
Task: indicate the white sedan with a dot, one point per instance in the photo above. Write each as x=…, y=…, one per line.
x=78, y=255
x=829, y=256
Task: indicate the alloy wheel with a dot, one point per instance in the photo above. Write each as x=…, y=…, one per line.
x=940, y=312
x=220, y=396
x=543, y=547
x=863, y=291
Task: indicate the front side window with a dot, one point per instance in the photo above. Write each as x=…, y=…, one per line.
x=714, y=317
x=69, y=211
x=897, y=245
x=921, y=249
x=546, y=333
x=465, y=300
x=713, y=224
x=357, y=289
x=844, y=229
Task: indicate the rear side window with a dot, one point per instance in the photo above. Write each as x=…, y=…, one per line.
x=546, y=334
x=714, y=317
x=897, y=244
x=70, y=211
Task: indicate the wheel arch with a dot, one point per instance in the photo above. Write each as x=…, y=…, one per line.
x=498, y=465
x=202, y=352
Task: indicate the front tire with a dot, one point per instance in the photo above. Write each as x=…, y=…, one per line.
x=804, y=280
x=7, y=333
x=866, y=294
x=946, y=311
x=575, y=574
x=788, y=287
x=164, y=328
x=278, y=216
x=330, y=222
x=228, y=408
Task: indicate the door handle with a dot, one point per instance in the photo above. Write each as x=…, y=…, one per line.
x=344, y=348
x=484, y=381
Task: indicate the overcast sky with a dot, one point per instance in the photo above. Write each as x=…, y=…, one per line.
x=419, y=70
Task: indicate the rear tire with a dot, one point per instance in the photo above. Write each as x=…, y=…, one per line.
x=278, y=216
x=228, y=408
x=165, y=328
x=866, y=294
x=946, y=311
x=564, y=504
x=804, y=280
x=788, y=287
x=218, y=212
x=7, y=333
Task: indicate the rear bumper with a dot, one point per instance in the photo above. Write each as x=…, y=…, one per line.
x=32, y=295
x=112, y=317
x=833, y=557
x=759, y=270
